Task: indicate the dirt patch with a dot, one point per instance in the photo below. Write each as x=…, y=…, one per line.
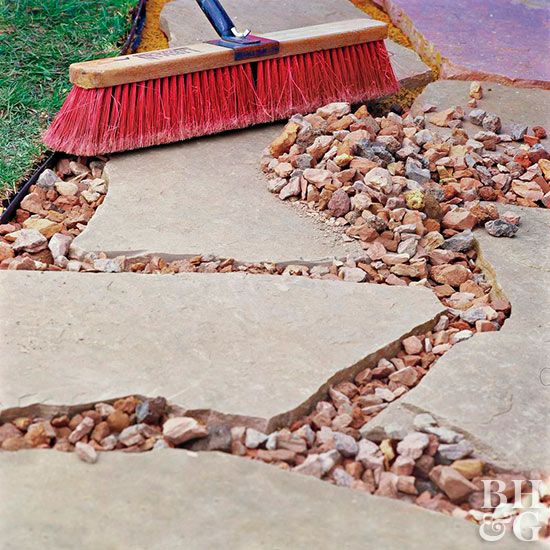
x=152, y=37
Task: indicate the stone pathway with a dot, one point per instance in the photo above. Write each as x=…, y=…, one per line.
x=499, y=40
x=236, y=349
x=332, y=420
x=491, y=399
x=203, y=196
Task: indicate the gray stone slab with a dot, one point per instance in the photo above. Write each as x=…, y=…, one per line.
x=259, y=346
x=183, y=23
x=528, y=106
x=495, y=387
x=409, y=69
x=171, y=500
x=206, y=196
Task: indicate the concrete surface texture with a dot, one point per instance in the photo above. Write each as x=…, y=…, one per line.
x=172, y=499
x=184, y=23
x=502, y=40
x=206, y=196
x=494, y=387
x=513, y=105
x=250, y=345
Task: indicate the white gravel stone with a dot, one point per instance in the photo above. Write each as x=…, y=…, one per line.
x=66, y=188
x=86, y=452
x=60, y=244
x=254, y=438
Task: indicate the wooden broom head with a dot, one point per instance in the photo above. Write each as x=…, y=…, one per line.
x=135, y=101
x=139, y=67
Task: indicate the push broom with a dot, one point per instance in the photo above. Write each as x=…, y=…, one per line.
x=144, y=99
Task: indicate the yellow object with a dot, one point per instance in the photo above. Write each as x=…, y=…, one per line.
x=152, y=37
x=395, y=33
x=343, y=160
x=468, y=467
x=415, y=199
x=387, y=451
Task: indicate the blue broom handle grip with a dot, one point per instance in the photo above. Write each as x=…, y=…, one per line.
x=218, y=17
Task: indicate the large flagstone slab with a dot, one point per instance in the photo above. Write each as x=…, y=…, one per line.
x=503, y=40
x=205, y=196
x=495, y=387
x=243, y=345
x=171, y=500
x=183, y=23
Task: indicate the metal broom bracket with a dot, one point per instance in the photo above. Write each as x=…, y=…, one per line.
x=244, y=44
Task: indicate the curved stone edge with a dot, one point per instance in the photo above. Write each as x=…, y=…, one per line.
x=399, y=416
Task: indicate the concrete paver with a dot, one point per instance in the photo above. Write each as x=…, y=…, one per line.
x=500, y=40
x=494, y=387
x=184, y=23
x=258, y=346
x=512, y=105
x=171, y=499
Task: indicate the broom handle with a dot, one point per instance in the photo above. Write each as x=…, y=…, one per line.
x=221, y=22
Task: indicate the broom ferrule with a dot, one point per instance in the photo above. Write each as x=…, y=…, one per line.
x=243, y=44
x=222, y=23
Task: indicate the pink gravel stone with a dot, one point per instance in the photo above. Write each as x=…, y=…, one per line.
x=387, y=486
x=452, y=483
x=413, y=444
x=412, y=345
x=181, y=429
x=84, y=428
x=403, y=466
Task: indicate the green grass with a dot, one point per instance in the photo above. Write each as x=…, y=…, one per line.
x=39, y=39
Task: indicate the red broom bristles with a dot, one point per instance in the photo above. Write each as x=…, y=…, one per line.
x=131, y=116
